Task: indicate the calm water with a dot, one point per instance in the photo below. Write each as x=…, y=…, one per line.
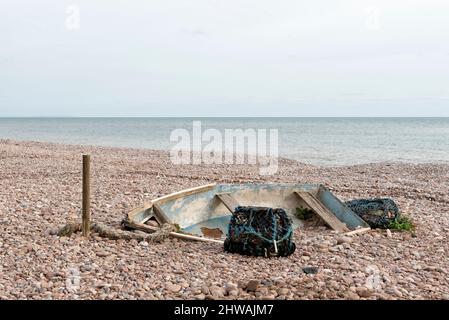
x=323, y=141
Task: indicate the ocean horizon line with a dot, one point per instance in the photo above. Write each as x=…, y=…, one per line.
x=219, y=117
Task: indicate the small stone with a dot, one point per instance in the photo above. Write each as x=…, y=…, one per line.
x=389, y=235
x=352, y=296
x=217, y=292
x=386, y=278
x=396, y=269
x=103, y=285
x=397, y=292
x=262, y=290
x=143, y=244
x=50, y=275
x=363, y=292
x=152, y=223
x=310, y=270
x=344, y=239
x=200, y=296
x=173, y=287
x=205, y=290
x=252, y=285
x=231, y=287
x=233, y=293
x=220, y=265
x=283, y=291
x=102, y=254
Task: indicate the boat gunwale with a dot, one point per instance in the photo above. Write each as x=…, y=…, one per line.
x=171, y=196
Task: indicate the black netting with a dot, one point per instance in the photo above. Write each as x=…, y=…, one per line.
x=259, y=231
x=378, y=213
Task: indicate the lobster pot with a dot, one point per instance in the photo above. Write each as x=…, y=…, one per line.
x=378, y=213
x=260, y=231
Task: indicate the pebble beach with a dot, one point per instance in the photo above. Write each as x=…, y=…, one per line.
x=40, y=191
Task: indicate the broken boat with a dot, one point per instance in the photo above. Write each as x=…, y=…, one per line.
x=203, y=213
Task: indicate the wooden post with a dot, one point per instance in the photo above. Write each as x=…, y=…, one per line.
x=86, y=195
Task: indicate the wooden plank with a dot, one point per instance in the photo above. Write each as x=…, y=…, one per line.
x=160, y=215
x=147, y=228
x=86, y=195
x=357, y=231
x=320, y=209
x=228, y=201
x=184, y=193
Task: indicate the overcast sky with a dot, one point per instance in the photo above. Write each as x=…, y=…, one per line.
x=224, y=58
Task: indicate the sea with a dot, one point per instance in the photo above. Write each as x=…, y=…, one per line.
x=317, y=141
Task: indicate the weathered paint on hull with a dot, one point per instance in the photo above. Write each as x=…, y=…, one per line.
x=199, y=208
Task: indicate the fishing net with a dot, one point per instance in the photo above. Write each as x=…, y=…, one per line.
x=378, y=213
x=259, y=231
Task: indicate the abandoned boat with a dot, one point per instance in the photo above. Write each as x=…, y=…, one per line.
x=203, y=213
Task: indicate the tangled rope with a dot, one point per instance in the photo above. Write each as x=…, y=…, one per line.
x=378, y=213
x=259, y=231
x=115, y=234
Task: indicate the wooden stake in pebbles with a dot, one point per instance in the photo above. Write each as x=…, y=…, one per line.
x=86, y=195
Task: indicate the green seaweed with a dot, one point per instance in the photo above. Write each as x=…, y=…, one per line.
x=403, y=223
x=177, y=227
x=303, y=213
